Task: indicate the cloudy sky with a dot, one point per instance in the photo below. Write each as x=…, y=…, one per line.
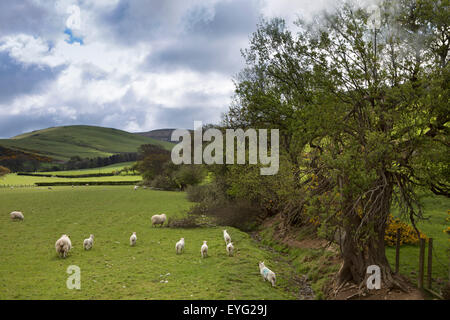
x=128, y=64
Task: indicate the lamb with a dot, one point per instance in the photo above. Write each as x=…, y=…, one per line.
x=204, y=249
x=226, y=236
x=63, y=245
x=89, y=242
x=180, y=246
x=230, y=249
x=133, y=239
x=17, y=215
x=267, y=274
x=158, y=219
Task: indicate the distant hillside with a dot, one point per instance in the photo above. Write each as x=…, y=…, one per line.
x=61, y=143
x=159, y=134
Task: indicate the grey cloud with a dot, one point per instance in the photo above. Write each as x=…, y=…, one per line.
x=30, y=17
x=17, y=79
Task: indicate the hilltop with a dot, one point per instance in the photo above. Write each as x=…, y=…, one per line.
x=62, y=143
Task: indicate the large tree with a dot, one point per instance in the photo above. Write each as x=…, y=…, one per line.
x=368, y=102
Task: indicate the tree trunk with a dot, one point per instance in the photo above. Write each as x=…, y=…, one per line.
x=368, y=248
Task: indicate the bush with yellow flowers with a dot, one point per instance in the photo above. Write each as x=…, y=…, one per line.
x=407, y=233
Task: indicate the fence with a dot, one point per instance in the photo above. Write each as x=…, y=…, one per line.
x=421, y=275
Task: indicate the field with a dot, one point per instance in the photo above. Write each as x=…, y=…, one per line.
x=435, y=212
x=30, y=268
x=16, y=180
x=61, y=143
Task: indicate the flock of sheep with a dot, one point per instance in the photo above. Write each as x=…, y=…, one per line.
x=63, y=245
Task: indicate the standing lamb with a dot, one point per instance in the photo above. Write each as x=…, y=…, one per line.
x=204, y=249
x=267, y=274
x=16, y=215
x=63, y=246
x=89, y=242
x=230, y=249
x=179, y=246
x=158, y=219
x=226, y=237
x=133, y=239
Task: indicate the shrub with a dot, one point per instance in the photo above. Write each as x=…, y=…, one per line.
x=197, y=193
x=163, y=182
x=408, y=234
x=241, y=214
x=189, y=222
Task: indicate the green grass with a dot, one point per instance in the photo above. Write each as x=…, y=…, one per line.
x=319, y=265
x=106, y=169
x=15, y=180
x=435, y=210
x=85, y=141
x=30, y=268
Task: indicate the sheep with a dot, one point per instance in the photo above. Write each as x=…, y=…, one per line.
x=133, y=239
x=17, y=215
x=230, y=249
x=135, y=188
x=89, y=242
x=226, y=236
x=204, y=249
x=267, y=274
x=179, y=246
x=158, y=219
x=63, y=245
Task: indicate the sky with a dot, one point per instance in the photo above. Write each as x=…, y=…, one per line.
x=134, y=65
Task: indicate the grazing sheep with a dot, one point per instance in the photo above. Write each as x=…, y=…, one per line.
x=89, y=242
x=158, y=219
x=267, y=274
x=63, y=245
x=16, y=215
x=133, y=239
x=135, y=188
x=180, y=246
x=230, y=249
x=204, y=249
x=226, y=237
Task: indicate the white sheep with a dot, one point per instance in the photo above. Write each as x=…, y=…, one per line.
x=226, y=237
x=179, y=246
x=89, y=242
x=204, y=249
x=267, y=274
x=63, y=246
x=158, y=219
x=230, y=249
x=17, y=215
x=133, y=239
x=135, y=188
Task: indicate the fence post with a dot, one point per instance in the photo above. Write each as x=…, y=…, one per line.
x=397, y=252
x=421, y=263
x=430, y=262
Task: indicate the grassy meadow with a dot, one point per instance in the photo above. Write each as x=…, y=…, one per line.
x=30, y=268
x=16, y=180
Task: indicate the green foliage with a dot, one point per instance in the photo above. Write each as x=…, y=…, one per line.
x=157, y=169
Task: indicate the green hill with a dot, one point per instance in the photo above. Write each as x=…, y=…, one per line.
x=61, y=143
